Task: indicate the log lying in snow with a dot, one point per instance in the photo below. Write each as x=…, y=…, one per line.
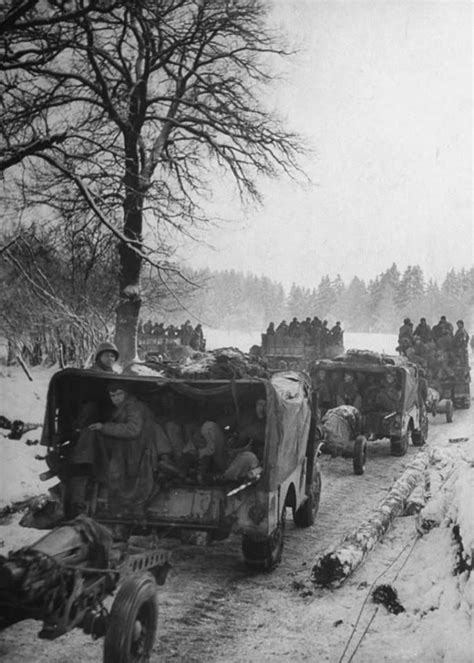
x=416, y=501
x=441, y=481
x=442, y=463
x=334, y=567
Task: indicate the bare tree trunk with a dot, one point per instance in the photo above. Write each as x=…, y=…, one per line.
x=126, y=329
x=128, y=309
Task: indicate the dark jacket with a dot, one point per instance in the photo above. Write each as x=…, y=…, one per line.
x=128, y=439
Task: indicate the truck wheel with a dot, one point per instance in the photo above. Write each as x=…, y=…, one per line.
x=399, y=445
x=133, y=621
x=264, y=554
x=449, y=411
x=360, y=455
x=306, y=514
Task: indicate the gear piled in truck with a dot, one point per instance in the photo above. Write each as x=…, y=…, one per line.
x=220, y=364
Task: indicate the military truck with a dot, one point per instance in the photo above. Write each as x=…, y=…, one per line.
x=255, y=506
x=281, y=351
x=405, y=421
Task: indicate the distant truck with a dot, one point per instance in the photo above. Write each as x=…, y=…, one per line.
x=152, y=345
x=403, y=421
x=454, y=385
x=283, y=352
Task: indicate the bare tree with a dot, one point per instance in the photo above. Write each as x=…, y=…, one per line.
x=143, y=103
x=57, y=291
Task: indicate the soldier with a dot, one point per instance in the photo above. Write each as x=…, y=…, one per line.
x=460, y=342
x=186, y=333
x=423, y=331
x=348, y=393
x=294, y=327
x=405, y=332
x=336, y=334
x=197, y=337
x=106, y=356
x=117, y=452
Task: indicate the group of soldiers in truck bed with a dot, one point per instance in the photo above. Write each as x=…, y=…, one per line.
x=439, y=350
x=364, y=392
x=312, y=331
x=186, y=334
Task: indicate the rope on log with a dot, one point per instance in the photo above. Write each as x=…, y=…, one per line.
x=332, y=568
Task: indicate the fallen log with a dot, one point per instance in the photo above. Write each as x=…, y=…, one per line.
x=416, y=501
x=333, y=567
x=441, y=478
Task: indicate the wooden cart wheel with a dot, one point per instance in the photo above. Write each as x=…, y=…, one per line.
x=360, y=455
x=133, y=622
x=265, y=554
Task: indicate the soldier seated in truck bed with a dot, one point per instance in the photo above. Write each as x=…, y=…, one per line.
x=116, y=452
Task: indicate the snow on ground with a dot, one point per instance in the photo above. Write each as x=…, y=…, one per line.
x=22, y=399
x=436, y=625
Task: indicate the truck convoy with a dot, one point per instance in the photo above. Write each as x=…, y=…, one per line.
x=226, y=454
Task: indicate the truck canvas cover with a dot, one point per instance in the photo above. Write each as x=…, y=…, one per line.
x=287, y=395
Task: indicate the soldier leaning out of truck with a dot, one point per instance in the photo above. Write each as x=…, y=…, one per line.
x=117, y=453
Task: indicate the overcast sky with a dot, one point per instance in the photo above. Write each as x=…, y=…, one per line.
x=382, y=92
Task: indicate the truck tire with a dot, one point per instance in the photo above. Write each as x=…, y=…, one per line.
x=264, y=554
x=399, y=445
x=360, y=455
x=306, y=514
x=133, y=621
x=419, y=437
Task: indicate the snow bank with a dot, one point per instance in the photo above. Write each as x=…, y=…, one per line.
x=25, y=400
x=20, y=469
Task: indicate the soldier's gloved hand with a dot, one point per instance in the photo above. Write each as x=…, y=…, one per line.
x=97, y=426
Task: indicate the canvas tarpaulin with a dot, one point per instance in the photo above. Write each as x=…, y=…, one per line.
x=288, y=424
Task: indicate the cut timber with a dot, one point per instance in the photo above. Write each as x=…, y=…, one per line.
x=443, y=475
x=416, y=501
x=334, y=567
